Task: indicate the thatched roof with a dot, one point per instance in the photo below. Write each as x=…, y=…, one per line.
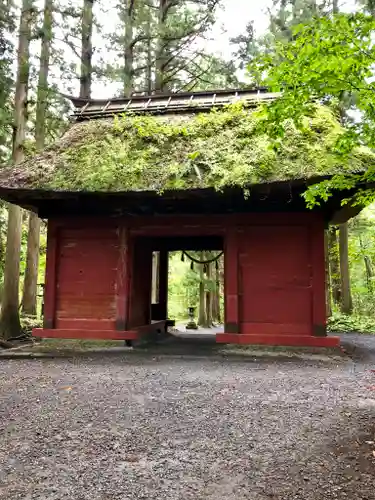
x=185, y=151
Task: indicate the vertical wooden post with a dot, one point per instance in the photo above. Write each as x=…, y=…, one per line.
x=139, y=296
x=231, y=282
x=163, y=283
x=318, y=279
x=50, y=279
x=122, y=281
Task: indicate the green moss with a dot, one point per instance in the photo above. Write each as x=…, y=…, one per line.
x=215, y=149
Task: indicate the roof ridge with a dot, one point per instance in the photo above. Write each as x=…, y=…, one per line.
x=86, y=109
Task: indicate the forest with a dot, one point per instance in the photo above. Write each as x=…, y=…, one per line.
x=105, y=48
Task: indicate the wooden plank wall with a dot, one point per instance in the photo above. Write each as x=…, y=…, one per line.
x=87, y=262
x=279, y=279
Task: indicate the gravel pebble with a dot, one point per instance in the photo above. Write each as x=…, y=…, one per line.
x=128, y=427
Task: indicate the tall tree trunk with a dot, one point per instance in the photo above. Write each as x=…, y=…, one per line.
x=371, y=7
x=149, y=61
x=128, y=48
x=295, y=12
x=216, y=296
x=335, y=6
x=369, y=273
x=29, y=300
x=346, y=302
x=86, y=50
x=219, y=287
x=368, y=267
x=30, y=287
x=328, y=278
x=160, y=55
x=334, y=265
x=10, y=320
x=202, y=297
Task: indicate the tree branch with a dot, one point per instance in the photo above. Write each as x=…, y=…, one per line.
x=70, y=44
x=69, y=12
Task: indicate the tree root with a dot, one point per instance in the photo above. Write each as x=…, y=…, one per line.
x=5, y=344
x=8, y=344
x=21, y=338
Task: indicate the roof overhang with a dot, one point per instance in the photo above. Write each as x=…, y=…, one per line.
x=275, y=197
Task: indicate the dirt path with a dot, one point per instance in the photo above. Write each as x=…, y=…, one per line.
x=128, y=427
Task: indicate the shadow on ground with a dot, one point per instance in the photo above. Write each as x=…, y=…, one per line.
x=174, y=345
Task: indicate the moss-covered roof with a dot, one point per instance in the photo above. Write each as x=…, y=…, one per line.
x=153, y=153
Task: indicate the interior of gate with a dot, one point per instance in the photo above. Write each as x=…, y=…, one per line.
x=99, y=276
x=142, y=308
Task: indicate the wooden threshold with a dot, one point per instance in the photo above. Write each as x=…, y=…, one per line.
x=60, y=333
x=80, y=333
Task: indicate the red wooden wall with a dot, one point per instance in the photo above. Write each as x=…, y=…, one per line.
x=99, y=275
x=87, y=263
x=98, y=279
x=275, y=280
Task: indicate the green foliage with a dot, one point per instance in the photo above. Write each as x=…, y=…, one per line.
x=341, y=323
x=284, y=16
x=329, y=59
x=30, y=322
x=216, y=149
x=361, y=258
x=210, y=72
x=368, y=6
x=183, y=287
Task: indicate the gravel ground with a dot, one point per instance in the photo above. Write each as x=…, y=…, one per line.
x=129, y=427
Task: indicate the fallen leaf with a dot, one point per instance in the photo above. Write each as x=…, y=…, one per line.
x=66, y=388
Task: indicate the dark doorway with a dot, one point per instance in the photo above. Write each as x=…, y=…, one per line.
x=150, y=276
x=180, y=282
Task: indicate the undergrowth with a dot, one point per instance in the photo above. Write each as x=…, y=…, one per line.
x=341, y=323
x=28, y=323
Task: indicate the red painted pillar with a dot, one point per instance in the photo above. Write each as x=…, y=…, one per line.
x=231, y=285
x=50, y=279
x=140, y=284
x=319, y=319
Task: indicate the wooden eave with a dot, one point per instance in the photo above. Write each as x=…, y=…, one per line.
x=264, y=198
